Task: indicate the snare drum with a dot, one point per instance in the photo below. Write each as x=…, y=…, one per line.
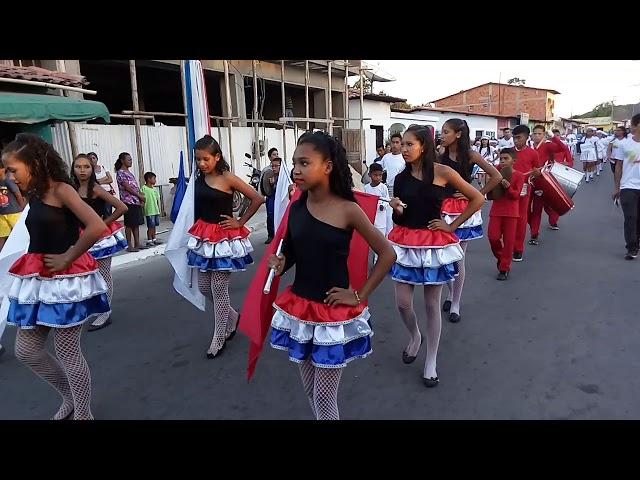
x=568, y=178
x=552, y=192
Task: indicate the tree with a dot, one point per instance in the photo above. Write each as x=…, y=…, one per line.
x=604, y=109
x=516, y=81
x=366, y=86
x=402, y=105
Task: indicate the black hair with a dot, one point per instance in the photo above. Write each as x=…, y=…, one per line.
x=277, y=159
x=506, y=128
x=635, y=120
x=521, y=129
x=92, y=153
x=118, y=165
x=623, y=129
x=44, y=162
x=540, y=127
x=209, y=144
x=464, y=146
x=148, y=176
x=375, y=167
x=397, y=134
x=379, y=146
x=92, y=178
x=271, y=150
x=340, y=179
x=512, y=152
x=428, y=158
x=555, y=130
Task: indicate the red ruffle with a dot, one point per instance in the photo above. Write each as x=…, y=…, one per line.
x=454, y=206
x=111, y=229
x=214, y=233
x=315, y=312
x=32, y=265
x=421, y=237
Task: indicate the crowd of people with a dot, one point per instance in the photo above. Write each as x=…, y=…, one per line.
x=428, y=210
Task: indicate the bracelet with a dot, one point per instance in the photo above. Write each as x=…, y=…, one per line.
x=355, y=292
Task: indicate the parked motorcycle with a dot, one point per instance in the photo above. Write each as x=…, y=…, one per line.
x=240, y=202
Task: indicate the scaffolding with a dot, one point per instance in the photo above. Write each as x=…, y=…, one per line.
x=137, y=114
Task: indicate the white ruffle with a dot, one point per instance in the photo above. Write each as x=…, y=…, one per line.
x=473, y=221
x=31, y=290
x=428, y=257
x=238, y=248
x=322, y=334
x=107, y=242
x=588, y=155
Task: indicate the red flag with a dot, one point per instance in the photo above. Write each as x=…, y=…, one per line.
x=257, y=310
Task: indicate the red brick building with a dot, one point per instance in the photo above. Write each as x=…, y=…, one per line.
x=504, y=101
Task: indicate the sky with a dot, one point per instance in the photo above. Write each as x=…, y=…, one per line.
x=582, y=83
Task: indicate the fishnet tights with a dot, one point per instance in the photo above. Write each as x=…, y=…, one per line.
x=321, y=386
x=104, y=266
x=70, y=375
x=215, y=286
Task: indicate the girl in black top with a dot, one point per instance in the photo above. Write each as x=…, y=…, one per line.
x=425, y=246
x=57, y=284
x=459, y=156
x=112, y=240
x=320, y=320
x=219, y=243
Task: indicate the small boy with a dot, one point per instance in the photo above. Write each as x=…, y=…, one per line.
x=151, y=208
x=503, y=217
x=379, y=189
x=11, y=204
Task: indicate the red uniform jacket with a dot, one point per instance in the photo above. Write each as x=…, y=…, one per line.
x=526, y=161
x=564, y=156
x=508, y=204
x=548, y=149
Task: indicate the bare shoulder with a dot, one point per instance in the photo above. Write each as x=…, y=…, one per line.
x=61, y=189
x=474, y=156
x=442, y=170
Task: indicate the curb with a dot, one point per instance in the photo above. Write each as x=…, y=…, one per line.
x=125, y=259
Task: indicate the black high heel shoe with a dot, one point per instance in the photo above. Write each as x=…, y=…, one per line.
x=446, y=306
x=430, y=382
x=406, y=358
x=233, y=332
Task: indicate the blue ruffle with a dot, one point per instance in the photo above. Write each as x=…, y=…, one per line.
x=470, y=233
x=109, y=251
x=323, y=356
x=59, y=315
x=424, y=276
x=225, y=264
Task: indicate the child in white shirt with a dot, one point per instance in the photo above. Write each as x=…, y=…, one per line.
x=379, y=189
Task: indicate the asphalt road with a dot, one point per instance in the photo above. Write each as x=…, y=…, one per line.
x=559, y=340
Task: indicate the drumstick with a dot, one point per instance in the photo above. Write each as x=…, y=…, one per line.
x=403, y=205
x=272, y=272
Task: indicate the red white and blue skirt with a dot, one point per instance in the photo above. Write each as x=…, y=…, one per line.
x=423, y=256
x=110, y=242
x=330, y=337
x=469, y=230
x=59, y=300
x=212, y=248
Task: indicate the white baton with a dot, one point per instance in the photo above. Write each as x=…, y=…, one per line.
x=272, y=272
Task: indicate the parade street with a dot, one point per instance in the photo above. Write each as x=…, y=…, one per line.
x=558, y=340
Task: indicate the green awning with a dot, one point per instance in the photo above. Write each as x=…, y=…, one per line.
x=31, y=108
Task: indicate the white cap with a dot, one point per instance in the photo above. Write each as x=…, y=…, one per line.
x=593, y=129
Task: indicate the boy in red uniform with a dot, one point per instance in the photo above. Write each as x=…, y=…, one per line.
x=504, y=214
x=527, y=164
x=546, y=153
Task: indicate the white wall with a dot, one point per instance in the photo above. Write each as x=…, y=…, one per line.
x=476, y=122
x=161, y=145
